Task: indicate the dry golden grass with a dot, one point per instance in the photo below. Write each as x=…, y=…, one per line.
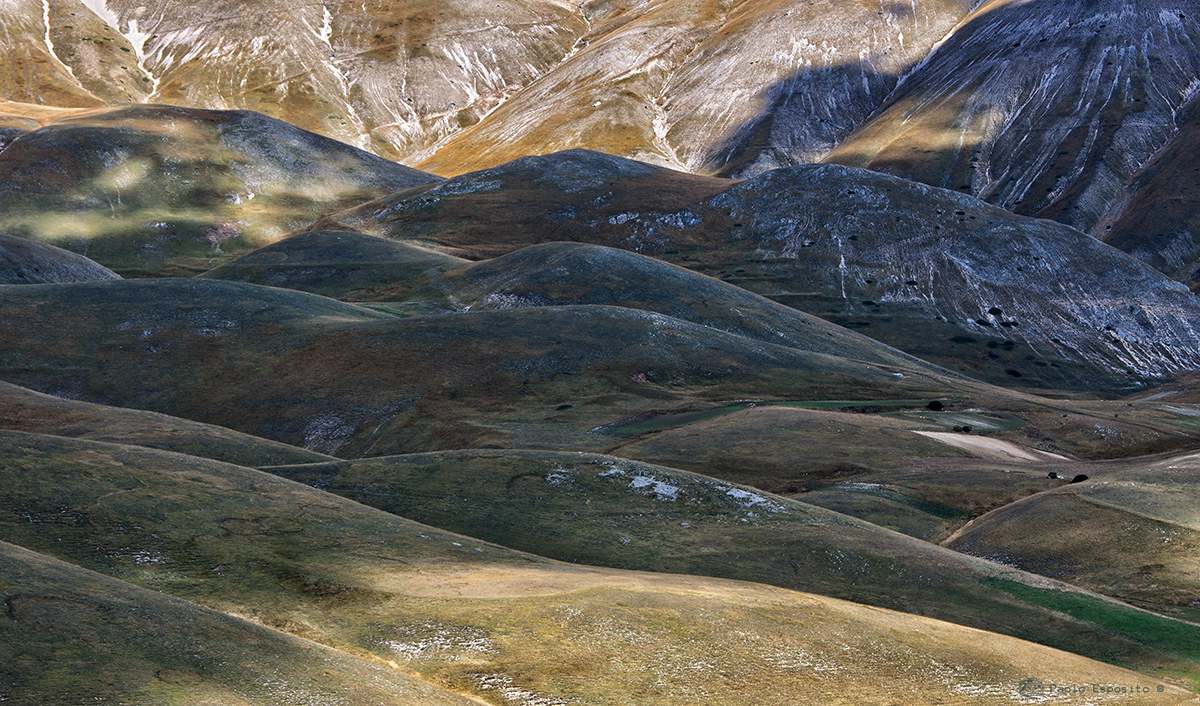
x=503, y=625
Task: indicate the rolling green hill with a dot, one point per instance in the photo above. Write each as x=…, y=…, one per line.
x=1131, y=531
x=161, y=190
x=347, y=266
x=25, y=410
x=73, y=636
x=937, y=274
x=333, y=377
x=475, y=617
x=606, y=511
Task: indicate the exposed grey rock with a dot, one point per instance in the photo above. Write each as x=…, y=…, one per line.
x=1044, y=107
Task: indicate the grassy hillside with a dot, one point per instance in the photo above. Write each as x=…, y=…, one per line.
x=26, y=262
x=347, y=266
x=605, y=511
x=555, y=274
x=73, y=636
x=25, y=410
x=940, y=275
x=333, y=377
x=472, y=616
x=154, y=190
x=1130, y=530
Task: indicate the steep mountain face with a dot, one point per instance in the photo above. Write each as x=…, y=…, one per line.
x=702, y=85
x=1160, y=216
x=396, y=76
x=160, y=190
x=1044, y=107
x=940, y=275
x=63, y=54
x=462, y=85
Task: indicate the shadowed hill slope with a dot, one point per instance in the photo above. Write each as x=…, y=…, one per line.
x=559, y=194
x=777, y=447
x=557, y=274
x=330, y=376
x=475, y=617
x=937, y=274
x=26, y=262
x=29, y=411
x=74, y=636
x=1162, y=208
x=342, y=265
x=353, y=266
x=161, y=190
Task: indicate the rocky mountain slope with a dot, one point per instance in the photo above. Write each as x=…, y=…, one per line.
x=937, y=274
x=1161, y=208
x=680, y=82
x=1046, y=108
